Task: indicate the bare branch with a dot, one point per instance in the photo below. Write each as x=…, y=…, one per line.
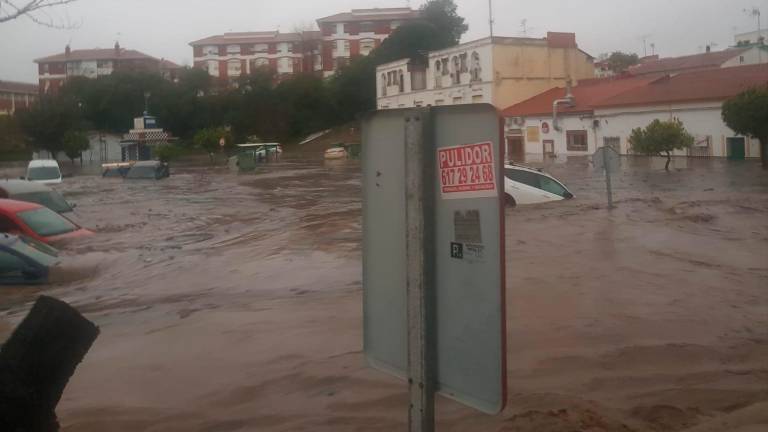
x=31, y=9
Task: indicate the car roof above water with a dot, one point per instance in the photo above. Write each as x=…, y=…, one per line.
x=43, y=163
x=17, y=206
x=14, y=187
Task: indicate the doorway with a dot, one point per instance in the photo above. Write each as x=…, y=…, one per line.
x=735, y=147
x=515, y=148
x=549, y=148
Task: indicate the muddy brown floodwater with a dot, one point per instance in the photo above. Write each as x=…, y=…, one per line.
x=233, y=303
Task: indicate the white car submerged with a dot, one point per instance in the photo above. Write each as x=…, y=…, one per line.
x=524, y=185
x=45, y=171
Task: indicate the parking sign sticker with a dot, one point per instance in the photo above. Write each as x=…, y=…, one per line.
x=467, y=171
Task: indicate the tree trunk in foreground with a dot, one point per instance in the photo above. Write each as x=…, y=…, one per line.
x=669, y=159
x=36, y=363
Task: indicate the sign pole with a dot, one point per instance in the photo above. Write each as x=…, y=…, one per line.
x=607, y=177
x=418, y=203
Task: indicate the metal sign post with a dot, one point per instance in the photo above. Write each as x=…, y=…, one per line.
x=418, y=205
x=608, y=160
x=433, y=255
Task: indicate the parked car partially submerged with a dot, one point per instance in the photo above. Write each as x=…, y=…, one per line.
x=37, y=222
x=44, y=171
x=526, y=185
x=25, y=261
x=118, y=169
x=23, y=190
x=150, y=170
x=250, y=154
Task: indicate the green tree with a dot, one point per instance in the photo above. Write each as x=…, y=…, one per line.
x=74, y=143
x=442, y=14
x=661, y=138
x=11, y=135
x=209, y=139
x=619, y=61
x=747, y=114
x=46, y=123
x=168, y=152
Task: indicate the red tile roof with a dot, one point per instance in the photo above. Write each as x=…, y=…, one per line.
x=707, y=85
x=371, y=15
x=586, y=95
x=686, y=63
x=96, y=54
x=18, y=87
x=256, y=37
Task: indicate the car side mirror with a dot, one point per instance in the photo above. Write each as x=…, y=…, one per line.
x=73, y=205
x=567, y=195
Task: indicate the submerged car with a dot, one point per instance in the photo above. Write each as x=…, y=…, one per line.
x=149, y=170
x=44, y=171
x=119, y=169
x=25, y=261
x=248, y=155
x=23, y=190
x=526, y=185
x=37, y=222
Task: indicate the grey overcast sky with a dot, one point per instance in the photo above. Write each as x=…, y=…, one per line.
x=163, y=28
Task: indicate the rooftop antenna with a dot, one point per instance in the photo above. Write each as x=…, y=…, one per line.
x=755, y=12
x=490, y=15
x=644, y=38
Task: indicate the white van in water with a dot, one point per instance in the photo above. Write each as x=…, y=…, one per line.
x=45, y=171
x=524, y=185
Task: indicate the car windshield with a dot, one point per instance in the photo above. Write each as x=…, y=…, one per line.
x=539, y=181
x=51, y=199
x=142, y=172
x=43, y=173
x=45, y=222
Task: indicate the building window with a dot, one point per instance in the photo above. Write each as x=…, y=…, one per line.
x=213, y=68
x=285, y=65
x=210, y=50
x=439, y=102
x=576, y=140
x=477, y=98
x=346, y=47
x=613, y=142
x=285, y=47
x=233, y=49
x=383, y=84
x=259, y=62
x=741, y=59
x=475, y=69
x=457, y=100
x=261, y=48
x=463, y=59
x=367, y=27
x=401, y=82
x=234, y=68
x=418, y=79
x=438, y=75
x=45, y=68
x=366, y=46
x=456, y=72
x=444, y=66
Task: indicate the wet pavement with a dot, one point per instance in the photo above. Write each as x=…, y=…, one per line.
x=233, y=303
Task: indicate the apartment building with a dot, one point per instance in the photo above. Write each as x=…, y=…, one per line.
x=231, y=55
x=16, y=95
x=357, y=32
x=340, y=38
x=496, y=70
x=53, y=71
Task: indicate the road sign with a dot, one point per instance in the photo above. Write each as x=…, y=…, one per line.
x=433, y=253
x=608, y=160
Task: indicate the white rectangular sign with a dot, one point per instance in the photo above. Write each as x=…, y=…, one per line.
x=467, y=171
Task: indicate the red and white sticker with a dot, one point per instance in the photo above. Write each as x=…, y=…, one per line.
x=467, y=171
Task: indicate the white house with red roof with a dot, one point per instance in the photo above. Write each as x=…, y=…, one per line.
x=737, y=56
x=604, y=112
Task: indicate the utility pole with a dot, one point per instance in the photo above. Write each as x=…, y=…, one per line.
x=490, y=15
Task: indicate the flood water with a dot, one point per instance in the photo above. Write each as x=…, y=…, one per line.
x=233, y=303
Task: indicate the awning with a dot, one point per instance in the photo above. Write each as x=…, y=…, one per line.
x=149, y=137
